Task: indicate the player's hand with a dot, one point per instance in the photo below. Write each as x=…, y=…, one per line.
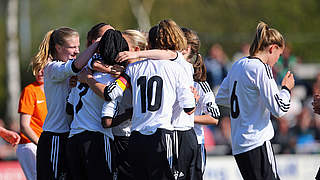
x=106, y=122
x=11, y=137
x=195, y=93
x=73, y=81
x=126, y=55
x=116, y=70
x=84, y=75
x=316, y=103
x=288, y=80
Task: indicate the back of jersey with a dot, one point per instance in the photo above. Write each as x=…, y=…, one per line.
x=251, y=92
x=156, y=84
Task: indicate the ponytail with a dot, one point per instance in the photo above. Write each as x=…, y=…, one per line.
x=264, y=37
x=200, y=70
x=41, y=59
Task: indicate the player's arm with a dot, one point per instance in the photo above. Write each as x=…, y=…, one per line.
x=10, y=136
x=205, y=120
x=108, y=121
x=109, y=92
x=150, y=54
x=209, y=109
x=184, y=94
x=26, y=129
x=278, y=102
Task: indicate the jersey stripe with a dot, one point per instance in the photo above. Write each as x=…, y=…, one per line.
x=205, y=87
x=284, y=107
x=268, y=72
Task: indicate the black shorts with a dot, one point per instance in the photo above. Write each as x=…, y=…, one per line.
x=185, y=154
x=124, y=171
x=259, y=163
x=151, y=155
x=201, y=161
x=90, y=156
x=51, y=156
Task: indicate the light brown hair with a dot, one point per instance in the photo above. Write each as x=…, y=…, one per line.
x=170, y=36
x=200, y=71
x=264, y=37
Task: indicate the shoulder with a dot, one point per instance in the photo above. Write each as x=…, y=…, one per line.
x=203, y=87
x=255, y=66
x=31, y=87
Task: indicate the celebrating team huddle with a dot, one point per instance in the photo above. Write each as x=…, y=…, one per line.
x=133, y=107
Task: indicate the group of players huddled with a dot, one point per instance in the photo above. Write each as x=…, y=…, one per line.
x=132, y=107
x=128, y=107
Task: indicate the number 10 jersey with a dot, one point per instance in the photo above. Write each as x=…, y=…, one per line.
x=156, y=84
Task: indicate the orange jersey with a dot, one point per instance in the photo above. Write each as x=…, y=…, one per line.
x=33, y=102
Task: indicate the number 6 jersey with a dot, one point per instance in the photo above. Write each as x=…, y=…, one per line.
x=156, y=84
x=251, y=92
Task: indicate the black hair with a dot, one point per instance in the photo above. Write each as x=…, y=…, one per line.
x=94, y=32
x=152, y=37
x=110, y=45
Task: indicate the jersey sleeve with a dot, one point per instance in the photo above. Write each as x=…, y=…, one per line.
x=27, y=101
x=117, y=88
x=223, y=95
x=109, y=109
x=208, y=101
x=277, y=102
x=184, y=95
x=94, y=58
x=60, y=71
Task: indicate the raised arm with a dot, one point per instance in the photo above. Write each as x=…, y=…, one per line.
x=84, y=57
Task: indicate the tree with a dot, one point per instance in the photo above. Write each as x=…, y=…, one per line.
x=12, y=61
x=141, y=10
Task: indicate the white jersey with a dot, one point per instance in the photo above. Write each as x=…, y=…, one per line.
x=181, y=120
x=205, y=105
x=117, y=107
x=56, y=88
x=87, y=107
x=156, y=84
x=251, y=92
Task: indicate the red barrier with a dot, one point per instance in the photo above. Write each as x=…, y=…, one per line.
x=11, y=170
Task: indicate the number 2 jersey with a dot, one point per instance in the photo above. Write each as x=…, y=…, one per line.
x=251, y=92
x=156, y=84
x=87, y=107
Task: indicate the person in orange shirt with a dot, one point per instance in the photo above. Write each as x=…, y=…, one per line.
x=33, y=110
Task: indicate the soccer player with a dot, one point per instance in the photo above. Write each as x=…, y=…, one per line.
x=55, y=57
x=207, y=112
x=90, y=145
x=252, y=94
x=33, y=111
x=116, y=112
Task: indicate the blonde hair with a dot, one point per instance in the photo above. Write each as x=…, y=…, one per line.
x=47, y=50
x=136, y=38
x=170, y=36
x=264, y=37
